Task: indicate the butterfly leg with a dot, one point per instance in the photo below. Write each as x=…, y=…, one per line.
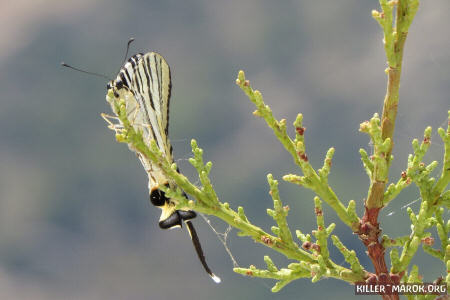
x=117, y=127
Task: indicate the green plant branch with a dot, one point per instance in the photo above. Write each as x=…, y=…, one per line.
x=431, y=193
x=381, y=132
x=394, y=41
x=416, y=171
x=284, y=276
x=447, y=265
x=444, y=179
x=349, y=256
x=323, y=267
x=297, y=150
x=379, y=169
x=312, y=259
x=397, y=242
x=207, y=202
x=443, y=234
x=279, y=213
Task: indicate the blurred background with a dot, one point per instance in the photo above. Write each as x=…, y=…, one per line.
x=75, y=219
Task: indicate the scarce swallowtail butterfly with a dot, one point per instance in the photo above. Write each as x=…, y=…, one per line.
x=144, y=83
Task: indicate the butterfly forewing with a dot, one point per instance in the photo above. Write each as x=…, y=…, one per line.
x=151, y=87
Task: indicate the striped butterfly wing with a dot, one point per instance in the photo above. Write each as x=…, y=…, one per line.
x=148, y=109
x=151, y=86
x=144, y=83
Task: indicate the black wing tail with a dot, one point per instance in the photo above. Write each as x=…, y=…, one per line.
x=198, y=249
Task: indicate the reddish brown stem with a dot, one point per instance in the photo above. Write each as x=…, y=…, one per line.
x=369, y=229
x=369, y=233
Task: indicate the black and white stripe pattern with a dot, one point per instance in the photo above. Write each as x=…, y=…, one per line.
x=145, y=85
x=147, y=77
x=127, y=71
x=144, y=82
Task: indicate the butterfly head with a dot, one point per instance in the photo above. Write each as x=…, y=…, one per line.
x=125, y=74
x=117, y=84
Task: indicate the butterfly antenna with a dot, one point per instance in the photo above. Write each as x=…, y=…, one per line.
x=128, y=48
x=198, y=249
x=84, y=71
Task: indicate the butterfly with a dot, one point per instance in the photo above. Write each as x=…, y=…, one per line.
x=144, y=83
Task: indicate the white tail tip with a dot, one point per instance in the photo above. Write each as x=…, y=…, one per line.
x=215, y=278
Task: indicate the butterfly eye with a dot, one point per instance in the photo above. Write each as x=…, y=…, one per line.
x=158, y=197
x=108, y=86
